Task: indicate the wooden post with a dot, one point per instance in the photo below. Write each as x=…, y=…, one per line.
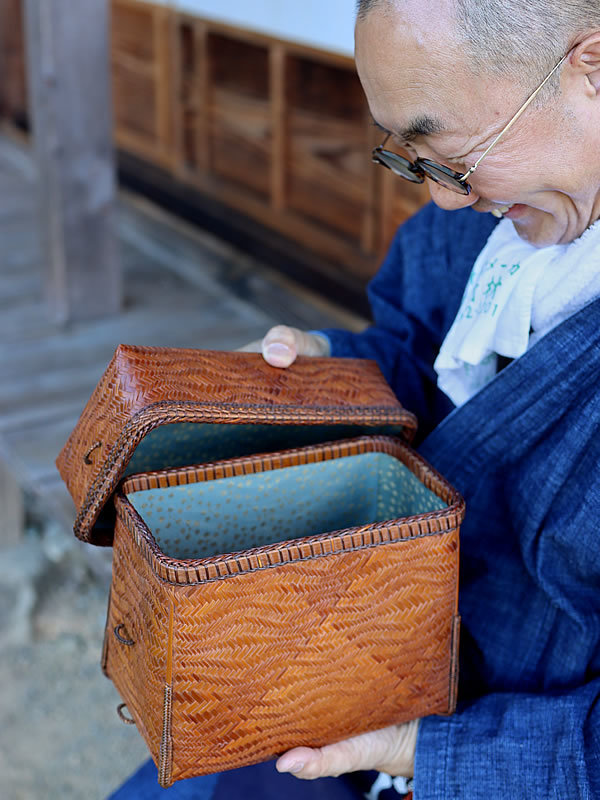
x=12, y=514
x=70, y=106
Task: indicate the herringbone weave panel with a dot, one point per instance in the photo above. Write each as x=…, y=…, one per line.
x=141, y=605
x=303, y=642
x=147, y=387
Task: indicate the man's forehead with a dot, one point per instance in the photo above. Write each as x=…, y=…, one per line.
x=416, y=85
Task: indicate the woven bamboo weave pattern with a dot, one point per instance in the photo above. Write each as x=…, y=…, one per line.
x=259, y=642
x=219, y=567
x=302, y=642
x=320, y=651
x=313, y=657
x=146, y=387
x=162, y=479
x=141, y=605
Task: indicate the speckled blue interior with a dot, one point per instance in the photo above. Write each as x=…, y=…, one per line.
x=232, y=514
x=185, y=443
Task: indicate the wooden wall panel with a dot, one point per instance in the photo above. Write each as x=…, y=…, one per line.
x=239, y=112
x=13, y=79
x=141, y=71
x=400, y=199
x=134, y=100
x=133, y=31
x=187, y=60
x=328, y=148
x=282, y=133
x=275, y=130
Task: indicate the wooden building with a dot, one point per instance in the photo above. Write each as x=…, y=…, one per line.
x=251, y=121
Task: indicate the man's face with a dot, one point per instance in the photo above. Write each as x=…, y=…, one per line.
x=546, y=167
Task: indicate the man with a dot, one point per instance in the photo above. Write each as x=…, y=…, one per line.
x=497, y=104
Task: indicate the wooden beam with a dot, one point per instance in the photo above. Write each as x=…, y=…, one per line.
x=278, y=125
x=202, y=98
x=70, y=107
x=163, y=72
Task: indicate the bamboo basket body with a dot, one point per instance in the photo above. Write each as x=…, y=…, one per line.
x=237, y=658
x=308, y=619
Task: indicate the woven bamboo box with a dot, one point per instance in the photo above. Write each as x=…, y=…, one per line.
x=285, y=566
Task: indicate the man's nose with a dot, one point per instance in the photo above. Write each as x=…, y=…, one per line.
x=449, y=200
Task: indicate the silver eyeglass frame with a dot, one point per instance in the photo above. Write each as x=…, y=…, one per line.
x=416, y=171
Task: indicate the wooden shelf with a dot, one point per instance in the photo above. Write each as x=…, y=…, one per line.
x=239, y=114
x=282, y=134
x=327, y=146
x=277, y=131
x=141, y=66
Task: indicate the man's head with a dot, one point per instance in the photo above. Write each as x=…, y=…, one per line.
x=446, y=77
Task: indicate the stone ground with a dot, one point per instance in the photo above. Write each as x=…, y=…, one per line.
x=60, y=737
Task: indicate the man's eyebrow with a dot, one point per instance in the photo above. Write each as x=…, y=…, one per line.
x=423, y=125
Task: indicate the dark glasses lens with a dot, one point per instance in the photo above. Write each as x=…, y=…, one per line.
x=445, y=176
x=399, y=165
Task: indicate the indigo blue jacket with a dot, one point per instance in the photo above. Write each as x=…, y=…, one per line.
x=525, y=453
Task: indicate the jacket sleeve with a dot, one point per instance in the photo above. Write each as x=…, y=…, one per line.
x=514, y=746
x=414, y=299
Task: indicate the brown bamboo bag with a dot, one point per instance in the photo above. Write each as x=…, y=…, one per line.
x=285, y=567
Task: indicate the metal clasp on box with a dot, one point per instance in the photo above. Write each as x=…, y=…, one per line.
x=123, y=717
x=87, y=460
x=117, y=632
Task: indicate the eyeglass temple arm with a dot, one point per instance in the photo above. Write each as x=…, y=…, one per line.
x=470, y=171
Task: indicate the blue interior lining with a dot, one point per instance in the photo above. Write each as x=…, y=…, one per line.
x=232, y=514
x=183, y=443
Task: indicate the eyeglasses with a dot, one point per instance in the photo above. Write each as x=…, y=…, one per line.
x=416, y=171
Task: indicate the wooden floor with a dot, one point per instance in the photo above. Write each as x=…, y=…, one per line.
x=183, y=289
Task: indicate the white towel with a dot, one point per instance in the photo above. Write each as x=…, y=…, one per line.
x=516, y=294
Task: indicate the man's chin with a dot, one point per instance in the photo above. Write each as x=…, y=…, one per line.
x=536, y=234
x=537, y=228
x=540, y=228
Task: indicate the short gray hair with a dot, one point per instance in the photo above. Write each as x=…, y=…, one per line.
x=513, y=38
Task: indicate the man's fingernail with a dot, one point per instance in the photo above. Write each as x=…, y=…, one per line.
x=278, y=355
x=277, y=349
x=294, y=766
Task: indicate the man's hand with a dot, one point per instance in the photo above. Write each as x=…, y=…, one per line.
x=390, y=750
x=282, y=344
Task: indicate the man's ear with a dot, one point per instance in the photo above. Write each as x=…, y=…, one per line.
x=585, y=59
